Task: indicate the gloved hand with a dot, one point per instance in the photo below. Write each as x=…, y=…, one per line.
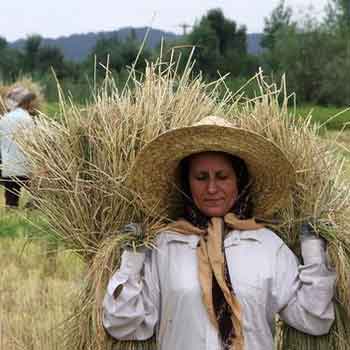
x=307, y=231
x=133, y=256
x=313, y=247
x=134, y=237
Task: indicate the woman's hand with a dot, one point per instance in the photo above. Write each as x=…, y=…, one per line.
x=313, y=247
x=134, y=237
x=307, y=232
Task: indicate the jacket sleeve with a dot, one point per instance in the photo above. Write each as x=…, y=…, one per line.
x=131, y=303
x=304, y=293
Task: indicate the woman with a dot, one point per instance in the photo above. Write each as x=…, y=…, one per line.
x=217, y=278
x=15, y=170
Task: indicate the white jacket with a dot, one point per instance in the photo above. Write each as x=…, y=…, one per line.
x=14, y=162
x=161, y=291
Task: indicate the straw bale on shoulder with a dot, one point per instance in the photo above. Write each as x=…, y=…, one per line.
x=34, y=87
x=3, y=93
x=81, y=165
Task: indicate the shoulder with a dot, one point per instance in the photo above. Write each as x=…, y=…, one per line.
x=20, y=113
x=14, y=115
x=270, y=236
x=265, y=236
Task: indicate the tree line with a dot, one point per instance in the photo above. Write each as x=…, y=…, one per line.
x=314, y=54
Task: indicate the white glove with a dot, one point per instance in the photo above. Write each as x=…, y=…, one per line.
x=313, y=248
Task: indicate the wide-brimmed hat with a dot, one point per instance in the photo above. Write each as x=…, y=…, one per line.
x=155, y=175
x=18, y=95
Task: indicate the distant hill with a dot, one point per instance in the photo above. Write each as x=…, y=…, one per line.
x=77, y=46
x=254, y=43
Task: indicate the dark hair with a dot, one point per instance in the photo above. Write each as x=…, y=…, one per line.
x=243, y=206
x=28, y=98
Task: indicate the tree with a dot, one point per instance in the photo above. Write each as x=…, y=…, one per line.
x=30, y=56
x=226, y=31
x=3, y=43
x=293, y=49
x=338, y=15
x=221, y=45
x=51, y=57
x=280, y=19
x=9, y=66
x=119, y=54
x=315, y=62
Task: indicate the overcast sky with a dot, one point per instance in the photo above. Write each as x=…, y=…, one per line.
x=54, y=18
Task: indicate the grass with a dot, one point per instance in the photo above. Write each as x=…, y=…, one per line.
x=38, y=281
x=22, y=222
x=33, y=304
x=324, y=115
x=51, y=109
x=320, y=114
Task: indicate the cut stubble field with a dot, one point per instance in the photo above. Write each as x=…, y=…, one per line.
x=37, y=289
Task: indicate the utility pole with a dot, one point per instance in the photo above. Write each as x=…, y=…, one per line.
x=184, y=27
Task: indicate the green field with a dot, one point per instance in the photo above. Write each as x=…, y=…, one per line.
x=333, y=118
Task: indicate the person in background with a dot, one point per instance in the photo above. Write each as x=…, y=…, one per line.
x=15, y=171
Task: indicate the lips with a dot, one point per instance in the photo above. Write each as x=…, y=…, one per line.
x=213, y=201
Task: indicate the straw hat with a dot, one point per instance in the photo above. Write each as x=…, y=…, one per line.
x=18, y=95
x=155, y=175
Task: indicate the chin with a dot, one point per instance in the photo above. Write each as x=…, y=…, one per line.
x=215, y=212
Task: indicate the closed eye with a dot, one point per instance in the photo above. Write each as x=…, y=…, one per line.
x=201, y=177
x=222, y=175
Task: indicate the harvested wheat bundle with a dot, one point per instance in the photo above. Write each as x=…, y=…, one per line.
x=3, y=93
x=87, y=156
x=321, y=196
x=33, y=87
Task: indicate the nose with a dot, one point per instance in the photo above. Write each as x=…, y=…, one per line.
x=212, y=186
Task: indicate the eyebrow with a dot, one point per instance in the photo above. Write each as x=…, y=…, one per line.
x=204, y=172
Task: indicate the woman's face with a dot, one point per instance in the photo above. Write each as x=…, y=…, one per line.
x=212, y=183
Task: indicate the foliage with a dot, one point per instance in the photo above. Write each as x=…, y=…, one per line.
x=40, y=60
x=338, y=15
x=314, y=58
x=30, y=56
x=9, y=61
x=313, y=55
x=117, y=55
x=3, y=43
x=18, y=223
x=280, y=19
x=221, y=46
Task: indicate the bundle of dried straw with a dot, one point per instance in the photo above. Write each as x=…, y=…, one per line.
x=81, y=164
x=28, y=83
x=3, y=93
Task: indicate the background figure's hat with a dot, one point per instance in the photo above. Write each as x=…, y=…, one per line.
x=16, y=96
x=155, y=175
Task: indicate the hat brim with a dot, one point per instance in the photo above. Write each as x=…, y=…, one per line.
x=155, y=173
